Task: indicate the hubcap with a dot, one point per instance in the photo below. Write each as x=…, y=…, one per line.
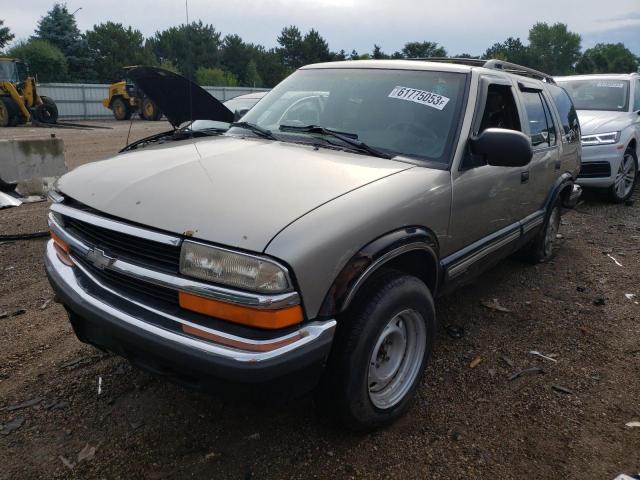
x=396, y=359
x=626, y=176
x=552, y=231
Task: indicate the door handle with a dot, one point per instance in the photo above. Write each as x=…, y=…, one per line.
x=524, y=177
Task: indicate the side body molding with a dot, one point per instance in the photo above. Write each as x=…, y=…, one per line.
x=380, y=252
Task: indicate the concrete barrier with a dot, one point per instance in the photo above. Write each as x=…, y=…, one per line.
x=33, y=164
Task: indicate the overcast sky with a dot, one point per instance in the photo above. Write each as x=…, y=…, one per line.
x=460, y=26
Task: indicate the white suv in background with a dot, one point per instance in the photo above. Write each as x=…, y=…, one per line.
x=608, y=108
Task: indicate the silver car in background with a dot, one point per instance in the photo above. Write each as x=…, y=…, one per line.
x=609, y=111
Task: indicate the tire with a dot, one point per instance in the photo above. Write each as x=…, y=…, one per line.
x=150, y=110
x=541, y=249
x=47, y=111
x=626, y=178
x=372, y=373
x=121, y=110
x=9, y=112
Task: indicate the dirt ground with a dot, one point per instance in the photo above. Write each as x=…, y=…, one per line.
x=467, y=423
x=86, y=145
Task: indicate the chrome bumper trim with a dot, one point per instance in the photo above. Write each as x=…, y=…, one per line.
x=120, y=227
x=305, y=335
x=254, y=300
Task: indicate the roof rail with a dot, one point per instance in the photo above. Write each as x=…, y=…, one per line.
x=493, y=64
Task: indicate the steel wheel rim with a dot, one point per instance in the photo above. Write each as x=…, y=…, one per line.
x=626, y=176
x=148, y=109
x=552, y=231
x=396, y=359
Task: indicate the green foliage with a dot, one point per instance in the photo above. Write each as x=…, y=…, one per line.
x=553, y=48
x=113, y=46
x=236, y=56
x=215, y=77
x=607, y=58
x=315, y=49
x=44, y=59
x=377, y=53
x=423, y=50
x=59, y=28
x=167, y=65
x=511, y=50
x=253, y=78
x=5, y=35
x=188, y=47
x=291, y=48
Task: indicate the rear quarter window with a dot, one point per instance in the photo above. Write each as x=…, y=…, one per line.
x=568, y=114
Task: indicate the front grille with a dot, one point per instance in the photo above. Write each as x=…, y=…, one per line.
x=158, y=256
x=595, y=170
x=129, y=286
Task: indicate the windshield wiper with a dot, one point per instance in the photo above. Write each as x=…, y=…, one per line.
x=261, y=132
x=348, y=138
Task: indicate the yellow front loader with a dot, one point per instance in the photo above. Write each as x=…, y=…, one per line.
x=19, y=99
x=125, y=99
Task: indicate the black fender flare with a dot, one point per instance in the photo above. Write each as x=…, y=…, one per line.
x=563, y=181
x=375, y=255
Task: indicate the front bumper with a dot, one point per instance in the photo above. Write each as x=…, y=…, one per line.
x=144, y=335
x=600, y=164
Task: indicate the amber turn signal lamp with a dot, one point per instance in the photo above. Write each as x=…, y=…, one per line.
x=62, y=249
x=252, y=317
x=59, y=242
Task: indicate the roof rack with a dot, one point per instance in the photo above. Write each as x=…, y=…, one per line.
x=493, y=64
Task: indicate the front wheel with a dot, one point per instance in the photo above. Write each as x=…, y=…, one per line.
x=47, y=111
x=379, y=354
x=626, y=177
x=541, y=248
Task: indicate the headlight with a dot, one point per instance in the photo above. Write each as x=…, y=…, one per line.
x=601, y=138
x=234, y=269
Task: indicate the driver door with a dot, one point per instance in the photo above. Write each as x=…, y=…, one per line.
x=486, y=200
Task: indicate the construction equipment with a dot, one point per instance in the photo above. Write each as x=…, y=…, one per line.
x=19, y=99
x=125, y=99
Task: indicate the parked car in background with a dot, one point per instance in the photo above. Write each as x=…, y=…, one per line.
x=302, y=248
x=609, y=112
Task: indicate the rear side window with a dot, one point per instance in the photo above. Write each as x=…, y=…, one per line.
x=636, y=102
x=568, y=115
x=541, y=127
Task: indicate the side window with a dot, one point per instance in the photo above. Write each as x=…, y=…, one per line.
x=551, y=124
x=636, y=101
x=568, y=114
x=541, y=128
x=500, y=110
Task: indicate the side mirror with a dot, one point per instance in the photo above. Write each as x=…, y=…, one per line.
x=502, y=148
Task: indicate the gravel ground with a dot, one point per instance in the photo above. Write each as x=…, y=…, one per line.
x=568, y=422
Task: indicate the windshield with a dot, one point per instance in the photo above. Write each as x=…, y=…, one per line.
x=239, y=104
x=8, y=71
x=598, y=94
x=401, y=112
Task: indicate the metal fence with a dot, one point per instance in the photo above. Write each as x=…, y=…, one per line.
x=84, y=100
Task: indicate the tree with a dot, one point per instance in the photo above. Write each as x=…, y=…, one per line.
x=423, y=50
x=235, y=57
x=607, y=58
x=188, y=47
x=113, y=47
x=5, y=35
x=465, y=55
x=554, y=49
x=215, y=77
x=291, y=47
x=511, y=50
x=269, y=64
x=59, y=28
x=253, y=78
x=377, y=53
x=44, y=59
x=315, y=49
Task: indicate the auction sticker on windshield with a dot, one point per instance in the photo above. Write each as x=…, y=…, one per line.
x=422, y=97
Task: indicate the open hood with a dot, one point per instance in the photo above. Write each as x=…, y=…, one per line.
x=178, y=98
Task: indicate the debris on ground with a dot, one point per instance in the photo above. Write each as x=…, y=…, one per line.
x=613, y=258
x=475, y=362
x=82, y=361
x=546, y=357
x=20, y=406
x=254, y=436
x=70, y=465
x=494, y=305
x=46, y=303
x=454, y=331
x=526, y=371
x=599, y=301
x=12, y=426
x=632, y=424
x=99, y=385
x=7, y=201
x=87, y=453
x=629, y=296
x=507, y=360
x=561, y=389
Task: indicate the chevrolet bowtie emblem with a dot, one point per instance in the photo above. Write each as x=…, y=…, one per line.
x=99, y=259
